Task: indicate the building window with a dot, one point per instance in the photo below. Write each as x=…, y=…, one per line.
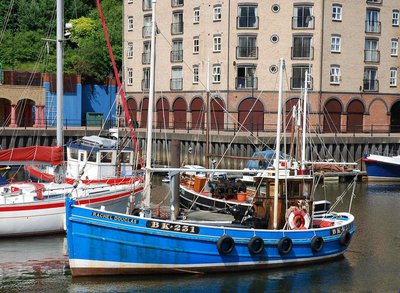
x=147, y=4
x=303, y=17
x=371, y=50
x=176, y=78
x=195, y=74
x=146, y=79
x=246, y=77
x=177, y=51
x=335, y=43
x=395, y=18
x=130, y=1
x=146, y=26
x=175, y=3
x=247, y=47
x=129, y=50
x=302, y=48
x=196, y=45
x=177, y=23
x=298, y=76
x=217, y=43
x=394, y=48
x=217, y=13
x=146, y=53
x=216, y=75
x=374, y=1
x=371, y=79
x=248, y=17
x=372, y=22
x=393, y=77
x=130, y=23
x=130, y=76
x=335, y=74
x=196, y=15
x=336, y=12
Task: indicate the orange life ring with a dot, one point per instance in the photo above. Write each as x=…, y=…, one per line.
x=299, y=220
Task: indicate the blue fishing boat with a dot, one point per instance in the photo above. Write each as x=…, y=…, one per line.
x=382, y=168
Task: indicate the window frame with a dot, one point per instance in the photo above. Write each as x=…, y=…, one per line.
x=129, y=50
x=394, y=47
x=217, y=12
x=393, y=77
x=335, y=74
x=337, y=12
x=336, y=46
x=216, y=73
x=217, y=43
x=129, y=75
x=195, y=70
x=395, y=17
x=196, y=45
x=196, y=15
x=130, y=23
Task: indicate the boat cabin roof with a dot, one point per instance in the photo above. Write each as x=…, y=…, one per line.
x=95, y=143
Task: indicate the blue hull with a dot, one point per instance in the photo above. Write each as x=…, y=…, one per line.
x=103, y=243
x=382, y=171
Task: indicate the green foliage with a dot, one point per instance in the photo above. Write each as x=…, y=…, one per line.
x=85, y=53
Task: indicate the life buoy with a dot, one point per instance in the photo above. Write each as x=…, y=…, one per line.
x=345, y=238
x=299, y=220
x=317, y=243
x=255, y=245
x=285, y=245
x=225, y=244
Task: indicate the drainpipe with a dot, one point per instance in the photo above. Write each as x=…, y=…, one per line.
x=321, y=67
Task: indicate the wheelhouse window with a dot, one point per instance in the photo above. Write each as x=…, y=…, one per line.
x=247, y=47
x=246, y=77
x=393, y=77
x=125, y=157
x=176, y=78
x=337, y=12
x=217, y=43
x=394, y=48
x=92, y=157
x=196, y=15
x=106, y=157
x=372, y=22
x=73, y=154
x=298, y=76
x=247, y=16
x=371, y=82
x=216, y=73
x=336, y=43
x=303, y=17
x=177, y=23
x=302, y=48
x=371, y=50
x=395, y=18
x=196, y=45
x=217, y=13
x=335, y=74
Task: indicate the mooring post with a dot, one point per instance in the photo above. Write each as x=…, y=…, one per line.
x=175, y=177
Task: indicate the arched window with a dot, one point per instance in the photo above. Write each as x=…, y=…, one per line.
x=254, y=120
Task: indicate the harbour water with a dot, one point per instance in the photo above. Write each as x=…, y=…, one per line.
x=372, y=263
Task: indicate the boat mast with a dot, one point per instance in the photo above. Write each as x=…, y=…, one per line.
x=147, y=187
x=60, y=62
x=277, y=146
x=208, y=120
x=303, y=142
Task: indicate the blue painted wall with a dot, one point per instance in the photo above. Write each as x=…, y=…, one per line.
x=99, y=99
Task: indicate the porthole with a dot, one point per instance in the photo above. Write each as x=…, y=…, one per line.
x=275, y=8
x=274, y=39
x=273, y=69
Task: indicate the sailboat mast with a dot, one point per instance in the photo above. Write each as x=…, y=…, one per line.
x=277, y=146
x=208, y=120
x=147, y=187
x=303, y=142
x=60, y=64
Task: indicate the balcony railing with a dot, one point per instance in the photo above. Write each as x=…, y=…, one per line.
x=146, y=31
x=303, y=22
x=249, y=82
x=146, y=58
x=146, y=4
x=177, y=56
x=373, y=26
x=177, y=28
x=371, y=55
x=303, y=53
x=248, y=22
x=371, y=85
x=247, y=52
x=176, y=83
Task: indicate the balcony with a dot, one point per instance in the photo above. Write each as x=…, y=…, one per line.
x=303, y=22
x=176, y=84
x=249, y=22
x=297, y=83
x=177, y=56
x=249, y=82
x=146, y=58
x=373, y=27
x=371, y=85
x=145, y=85
x=303, y=53
x=371, y=56
x=146, y=5
x=146, y=31
x=247, y=52
x=177, y=28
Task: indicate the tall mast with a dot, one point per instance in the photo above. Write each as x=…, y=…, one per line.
x=303, y=142
x=60, y=62
x=147, y=187
x=277, y=146
x=208, y=120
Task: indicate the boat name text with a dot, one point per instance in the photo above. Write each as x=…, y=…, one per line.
x=114, y=218
x=339, y=230
x=172, y=227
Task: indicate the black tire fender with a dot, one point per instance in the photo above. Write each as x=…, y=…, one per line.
x=285, y=245
x=317, y=243
x=225, y=244
x=345, y=238
x=256, y=245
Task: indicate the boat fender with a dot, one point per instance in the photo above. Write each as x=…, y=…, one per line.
x=299, y=220
x=285, y=245
x=317, y=243
x=345, y=238
x=39, y=194
x=225, y=244
x=256, y=245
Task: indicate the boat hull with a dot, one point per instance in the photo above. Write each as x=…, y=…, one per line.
x=101, y=243
x=382, y=168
